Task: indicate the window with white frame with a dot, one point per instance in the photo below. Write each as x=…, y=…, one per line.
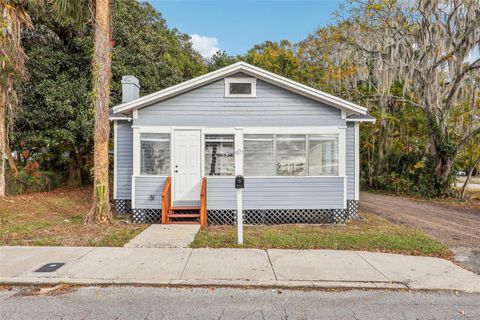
x=259, y=155
x=155, y=154
x=323, y=155
x=219, y=155
x=290, y=155
x=240, y=87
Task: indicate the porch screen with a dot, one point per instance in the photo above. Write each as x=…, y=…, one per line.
x=219, y=155
x=290, y=155
x=155, y=154
x=259, y=155
x=323, y=155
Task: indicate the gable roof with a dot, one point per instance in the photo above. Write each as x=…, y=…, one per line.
x=247, y=69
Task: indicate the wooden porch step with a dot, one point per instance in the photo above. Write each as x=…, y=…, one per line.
x=184, y=208
x=184, y=215
x=182, y=222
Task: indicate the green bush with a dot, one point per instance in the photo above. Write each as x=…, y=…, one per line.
x=24, y=183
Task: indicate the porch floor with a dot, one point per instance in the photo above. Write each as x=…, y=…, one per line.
x=165, y=236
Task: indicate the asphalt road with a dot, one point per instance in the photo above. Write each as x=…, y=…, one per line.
x=222, y=303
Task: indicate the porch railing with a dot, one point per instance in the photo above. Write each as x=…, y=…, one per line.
x=166, y=199
x=203, y=204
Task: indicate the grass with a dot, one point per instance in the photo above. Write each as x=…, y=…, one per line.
x=371, y=233
x=56, y=219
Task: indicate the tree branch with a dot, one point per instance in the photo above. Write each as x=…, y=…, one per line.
x=454, y=88
x=467, y=138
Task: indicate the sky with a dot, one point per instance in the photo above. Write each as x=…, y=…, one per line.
x=236, y=26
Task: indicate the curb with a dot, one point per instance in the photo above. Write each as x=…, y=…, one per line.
x=311, y=285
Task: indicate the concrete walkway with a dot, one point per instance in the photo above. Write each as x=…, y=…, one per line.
x=165, y=236
x=233, y=267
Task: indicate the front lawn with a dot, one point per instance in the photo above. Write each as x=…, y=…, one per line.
x=56, y=219
x=370, y=233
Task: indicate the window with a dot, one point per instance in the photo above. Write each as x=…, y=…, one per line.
x=259, y=155
x=290, y=155
x=240, y=87
x=219, y=155
x=155, y=154
x=323, y=155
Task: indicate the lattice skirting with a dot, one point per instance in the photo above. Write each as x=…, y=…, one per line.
x=146, y=215
x=278, y=216
x=352, y=209
x=122, y=206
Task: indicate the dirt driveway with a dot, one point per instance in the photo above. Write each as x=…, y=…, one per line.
x=458, y=228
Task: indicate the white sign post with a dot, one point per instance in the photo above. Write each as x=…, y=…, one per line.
x=239, y=172
x=239, y=216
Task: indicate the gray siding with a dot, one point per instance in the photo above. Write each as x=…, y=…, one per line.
x=278, y=193
x=124, y=159
x=350, y=160
x=207, y=106
x=146, y=186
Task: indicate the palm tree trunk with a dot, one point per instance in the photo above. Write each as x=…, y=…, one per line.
x=102, y=60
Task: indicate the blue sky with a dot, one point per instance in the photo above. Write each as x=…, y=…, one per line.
x=236, y=26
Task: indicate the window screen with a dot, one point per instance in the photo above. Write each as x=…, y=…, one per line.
x=155, y=154
x=240, y=88
x=219, y=155
x=323, y=155
x=259, y=155
x=291, y=155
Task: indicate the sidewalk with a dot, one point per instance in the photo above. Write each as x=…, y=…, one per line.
x=233, y=267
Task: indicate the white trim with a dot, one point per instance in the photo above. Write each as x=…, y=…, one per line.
x=357, y=161
x=136, y=152
x=361, y=120
x=115, y=157
x=114, y=118
x=230, y=70
x=343, y=114
x=345, y=192
x=251, y=81
x=246, y=130
x=342, y=153
x=133, y=192
x=289, y=177
x=134, y=113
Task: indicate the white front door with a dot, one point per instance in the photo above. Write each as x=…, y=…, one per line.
x=187, y=165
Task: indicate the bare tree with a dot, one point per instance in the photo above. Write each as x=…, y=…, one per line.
x=426, y=45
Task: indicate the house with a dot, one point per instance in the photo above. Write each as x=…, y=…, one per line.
x=178, y=150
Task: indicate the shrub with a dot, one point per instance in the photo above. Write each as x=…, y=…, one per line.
x=25, y=183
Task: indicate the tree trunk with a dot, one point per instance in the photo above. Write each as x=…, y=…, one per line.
x=469, y=177
x=3, y=139
x=442, y=152
x=11, y=162
x=100, y=211
x=74, y=169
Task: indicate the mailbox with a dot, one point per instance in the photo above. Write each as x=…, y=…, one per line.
x=239, y=182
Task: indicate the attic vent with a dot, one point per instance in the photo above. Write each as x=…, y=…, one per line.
x=240, y=87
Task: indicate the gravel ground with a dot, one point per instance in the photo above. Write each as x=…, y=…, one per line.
x=223, y=303
x=457, y=227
